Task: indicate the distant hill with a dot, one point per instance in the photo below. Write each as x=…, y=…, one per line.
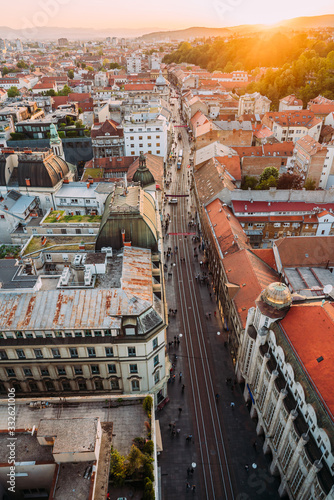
x=53, y=33
x=186, y=34
x=296, y=23
x=309, y=22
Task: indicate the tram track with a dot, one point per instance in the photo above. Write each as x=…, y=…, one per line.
x=214, y=466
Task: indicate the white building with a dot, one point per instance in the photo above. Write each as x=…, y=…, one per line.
x=286, y=397
x=253, y=104
x=78, y=198
x=290, y=102
x=146, y=134
x=133, y=64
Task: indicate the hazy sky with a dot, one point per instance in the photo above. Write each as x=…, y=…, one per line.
x=169, y=14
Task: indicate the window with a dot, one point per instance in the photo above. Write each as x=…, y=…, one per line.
x=88, y=333
x=55, y=353
x=91, y=352
x=157, y=377
x=61, y=370
x=49, y=385
x=3, y=354
x=135, y=385
x=111, y=368
x=33, y=386
x=78, y=370
x=27, y=372
x=66, y=386
x=45, y=372
x=155, y=343
x=95, y=369
x=10, y=372
x=156, y=360
x=158, y=144
x=97, y=333
x=49, y=231
x=140, y=137
x=131, y=351
x=38, y=353
x=109, y=352
x=158, y=151
x=78, y=334
x=132, y=138
x=133, y=369
x=114, y=384
x=74, y=352
x=48, y=257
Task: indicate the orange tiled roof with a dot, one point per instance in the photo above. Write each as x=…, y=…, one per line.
x=232, y=165
x=267, y=255
x=228, y=231
x=252, y=274
x=310, y=331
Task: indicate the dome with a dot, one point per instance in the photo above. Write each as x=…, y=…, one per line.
x=277, y=295
x=160, y=80
x=143, y=174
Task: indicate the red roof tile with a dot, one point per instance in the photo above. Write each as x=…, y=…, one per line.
x=252, y=274
x=310, y=331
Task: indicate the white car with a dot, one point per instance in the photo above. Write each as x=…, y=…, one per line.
x=173, y=201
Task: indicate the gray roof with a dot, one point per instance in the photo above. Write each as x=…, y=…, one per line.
x=233, y=125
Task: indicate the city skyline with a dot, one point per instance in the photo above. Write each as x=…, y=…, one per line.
x=217, y=13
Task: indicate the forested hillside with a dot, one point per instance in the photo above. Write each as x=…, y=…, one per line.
x=295, y=64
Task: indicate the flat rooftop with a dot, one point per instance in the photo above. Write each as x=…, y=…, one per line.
x=72, y=435
x=27, y=449
x=61, y=243
x=60, y=217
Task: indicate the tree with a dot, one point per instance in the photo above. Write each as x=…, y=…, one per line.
x=65, y=91
x=50, y=92
x=105, y=62
x=13, y=92
x=267, y=183
x=117, y=467
x=5, y=71
x=22, y=64
x=114, y=65
x=90, y=68
x=249, y=182
x=290, y=181
x=83, y=65
x=309, y=184
x=78, y=124
x=70, y=74
x=135, y=460
x=267, y=173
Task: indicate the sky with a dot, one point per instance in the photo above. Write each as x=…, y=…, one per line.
x=171, y=14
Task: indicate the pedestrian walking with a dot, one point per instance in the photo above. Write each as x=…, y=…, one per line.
x=180, y=411
x=183, y=387
x=180, y=376
x=188, y=472
x=188, y=486
x=215, y=312
x=247, y=467
x=232, y=405
x=193, y=488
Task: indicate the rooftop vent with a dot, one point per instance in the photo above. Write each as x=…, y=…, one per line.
x=320, y=359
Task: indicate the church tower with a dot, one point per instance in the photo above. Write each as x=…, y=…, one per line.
x=55, y=142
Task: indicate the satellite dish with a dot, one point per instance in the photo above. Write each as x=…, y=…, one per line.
x=328, y=289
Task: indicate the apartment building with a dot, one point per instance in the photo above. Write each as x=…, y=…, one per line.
x=253, y=104
x=147, y=135
x=75, y=321
x=133, y=64
x=289, y=396
x=308, y=160
x=293, y=125
x=107, y=139
x=290, y=103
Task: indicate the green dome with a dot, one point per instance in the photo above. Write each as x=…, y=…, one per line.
x=142, y=174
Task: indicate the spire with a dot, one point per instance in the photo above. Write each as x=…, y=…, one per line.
x=56, y=142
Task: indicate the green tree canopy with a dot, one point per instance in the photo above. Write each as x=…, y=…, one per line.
x=70, y=74
x=13, y=92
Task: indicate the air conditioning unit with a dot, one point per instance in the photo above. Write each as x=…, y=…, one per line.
x=65, y=276
x=107, y=251
x=77, y=260
x=88, y=277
